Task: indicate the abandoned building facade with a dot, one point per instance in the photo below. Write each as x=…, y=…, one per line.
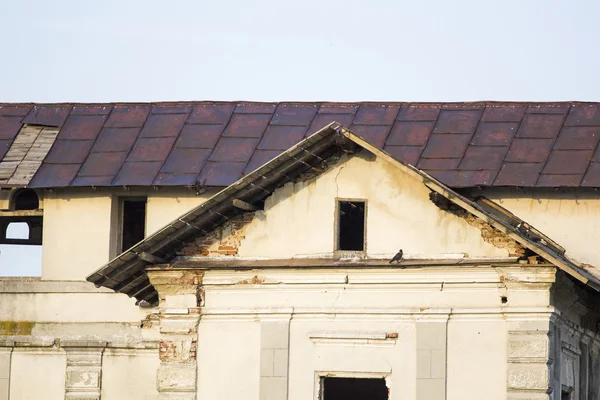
x=221, y=250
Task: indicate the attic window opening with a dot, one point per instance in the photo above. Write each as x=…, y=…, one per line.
x=133, y=222
x=351, y=225
x=25, y=199
x=353, y=388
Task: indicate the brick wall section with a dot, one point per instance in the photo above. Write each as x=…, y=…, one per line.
x=223, y=241
x=495, y=237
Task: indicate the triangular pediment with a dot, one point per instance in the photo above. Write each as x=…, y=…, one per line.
x=296, y=195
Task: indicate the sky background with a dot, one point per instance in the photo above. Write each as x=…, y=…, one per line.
x=337, y=50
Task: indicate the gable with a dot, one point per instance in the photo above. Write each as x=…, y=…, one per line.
x=299, y=219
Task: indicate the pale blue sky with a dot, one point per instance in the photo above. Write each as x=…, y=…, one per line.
x=146, y=50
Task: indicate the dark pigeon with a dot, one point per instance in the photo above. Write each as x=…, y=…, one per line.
x=397, y=257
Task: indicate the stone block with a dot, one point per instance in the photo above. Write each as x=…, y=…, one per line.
x=83, y=378
x=176, y=377
x=266, y=362
x=280, y=362
x=180, y=301
x=273, y=388
x=528, y=377
x=274, y=335
x=423, y=364
x=431, y=335
x=528, y=346
x=438, y=363
x=431, y=389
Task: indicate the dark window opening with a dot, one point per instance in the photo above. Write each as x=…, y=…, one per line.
x=133, y=222
x=351, y=225
x=26, y=199
x=354, y=389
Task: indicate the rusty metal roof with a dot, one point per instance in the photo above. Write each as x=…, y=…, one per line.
x=216, y=143
x=126, y=273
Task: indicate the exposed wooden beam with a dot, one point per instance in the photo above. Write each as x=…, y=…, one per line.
x=241, y=204
x=151, y=258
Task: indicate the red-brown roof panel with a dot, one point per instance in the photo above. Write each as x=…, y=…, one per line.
x=578, y=138
x=116, y=139
x=4, y=146
x=292, y=114
x=171, y=109
x=259, y=158
x=322, y=120
x=518, y=174
x=211, y=113
x=457, y=121
x=82, y=127
x=69, y=151
x=221, y=173
x=495, y=113
x=17, y=110
x=89, y=109
x=592, y=176
x=559, y=180
x=376, y=114
x=373, y=134
x=165, y=179
x=446, y=146
x=418, y=113
x=465, y=178
x=438, y=163
x=234, y=149
x=137, y=173
x=185, y=161
x=255, y=108
x=47, y=115
x=281, y=137
x=478, y=158
x=410, y=133
x=494, y=133
x=540, y=126
x=92, y=181
x=547, y=109
x=54, y=175
x=584, y=115
x=406, y=154
x=102, y=164
x=529, y=150
x=9, y=127
x=151, y=149
x=247, y=125
x=163, y=125
x=128, y=116
x=335, y=108
x=199, y=136
x=568, y=162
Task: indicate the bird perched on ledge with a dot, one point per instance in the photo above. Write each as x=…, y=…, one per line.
x=397, y=257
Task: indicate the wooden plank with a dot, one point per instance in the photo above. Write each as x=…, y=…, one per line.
x=244, y=206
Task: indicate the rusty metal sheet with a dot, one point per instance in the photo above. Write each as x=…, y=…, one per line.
x=418, y=113
x=163, y=125
x=504, y=113
x=137, y=173
x=221, y=173
x=438, y=163
x=116, y=139
x=255, y=108
x=540, y=126
x=376, y=114
x=322, y=120
x=578, y=138
x=92, y=181
x=171, y=109
x=410, y=133
x=518, y=174
x=211, y=113
x=185, y=161
x=168, y=179
x=338, y=108
x=460, y=179
x=559, y=180
x=47, y=115
x=477, y=158
x=10, y=127
x=54, y=175
x=568, y=162
x=151, y=149
x=128, y=116
x=547, y=109
x=294, y=114
x=446, y=146
x=247, y=125
x=529, y=150
x=14, y=110
x=406, y=154
x=457, y=121
x=89, y=109
x=584, y=115
x=259, y=158
x=494, y=133
x=102, y=164
x=373, y=134
x=234, y=149
x=69, y=151
x=199, y=136
x=82, y=127
x=281, y=137
x=4, y=146
x=592, y=176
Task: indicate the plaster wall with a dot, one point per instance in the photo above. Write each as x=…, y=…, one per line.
x=129, y=375
x=37, y=374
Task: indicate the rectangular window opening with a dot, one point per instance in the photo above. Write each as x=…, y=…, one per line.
x=132, y=222
x=354, y=389
x=351, y=225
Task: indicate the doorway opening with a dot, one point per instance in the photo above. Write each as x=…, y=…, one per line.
x=354, y=389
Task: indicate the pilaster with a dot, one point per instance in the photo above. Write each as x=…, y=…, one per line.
x=83, y=379
x=179, y=314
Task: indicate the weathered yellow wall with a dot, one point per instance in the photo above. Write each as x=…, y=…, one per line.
x=299, y=219
x=37, y=375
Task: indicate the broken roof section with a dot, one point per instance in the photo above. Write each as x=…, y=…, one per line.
x=216, y=143
x=126, y=273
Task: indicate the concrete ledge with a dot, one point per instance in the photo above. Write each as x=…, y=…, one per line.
x=36, y=285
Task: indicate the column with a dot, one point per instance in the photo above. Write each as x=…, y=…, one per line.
x=274, y=355
x=530, y=364
x=179, y=314
x=431, y=357
x=84, y=369
x=5, y=359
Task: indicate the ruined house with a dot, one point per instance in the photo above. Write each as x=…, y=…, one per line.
x=210, y=250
